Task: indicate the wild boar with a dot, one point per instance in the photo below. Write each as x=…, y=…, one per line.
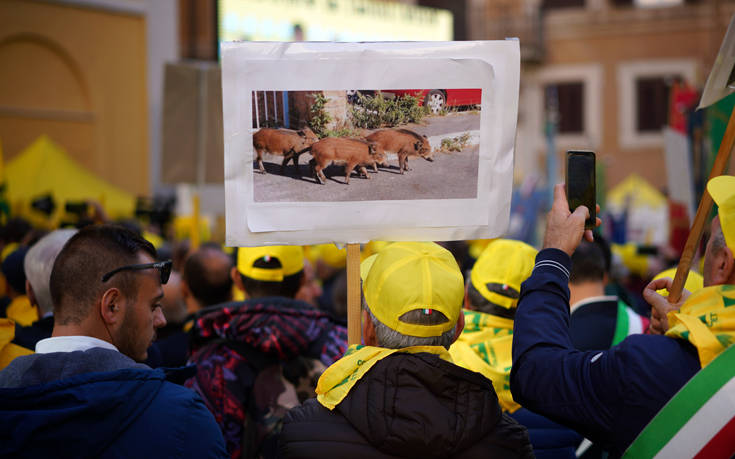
x=285, y=142
x=348, y=152
x=404, y=143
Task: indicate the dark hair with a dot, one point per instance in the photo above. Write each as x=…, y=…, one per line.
x=482, y=304
x=14, y=230
x=606, y=251
x=287, y=287
x=588, y=263
x=207, y=274
x=76, y=278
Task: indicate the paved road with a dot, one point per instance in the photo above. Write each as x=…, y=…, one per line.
x=450, y=175
x=452, y=123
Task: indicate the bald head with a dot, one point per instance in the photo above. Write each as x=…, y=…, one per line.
x=207, y=276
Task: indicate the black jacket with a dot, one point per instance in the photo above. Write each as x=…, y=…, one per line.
x=408, y=405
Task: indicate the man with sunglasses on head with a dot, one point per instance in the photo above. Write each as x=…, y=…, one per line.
x=83, y=394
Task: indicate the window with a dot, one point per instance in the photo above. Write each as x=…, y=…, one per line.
x=570, y=103
x=643, y=98
x=652, y=103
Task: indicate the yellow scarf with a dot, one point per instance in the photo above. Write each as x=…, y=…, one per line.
x=707, y=320
x=485, y=347
x=21, y=311
x=8, y=350
x=337, y=380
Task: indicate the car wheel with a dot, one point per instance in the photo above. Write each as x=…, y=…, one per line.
x=435, y=101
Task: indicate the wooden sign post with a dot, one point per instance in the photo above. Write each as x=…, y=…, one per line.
x=354, y=301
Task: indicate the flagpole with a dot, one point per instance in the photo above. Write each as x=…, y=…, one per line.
x=705, y=205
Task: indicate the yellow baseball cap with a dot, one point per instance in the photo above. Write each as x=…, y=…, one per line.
x=693, y=282
x=373, y=247
x=628, y=253
x=365, y=266
x=477, y=246
x=504, y=265
x=290, y=257
x=722, y=190
x=406, y=276
x=328, y=253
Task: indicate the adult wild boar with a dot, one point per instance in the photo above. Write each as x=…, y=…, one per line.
x=284, y=142
x=404, y=143
x=348, y=152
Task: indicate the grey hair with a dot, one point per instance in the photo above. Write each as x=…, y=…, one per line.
x=38, y=263
x=391, y=339
x=718, y=239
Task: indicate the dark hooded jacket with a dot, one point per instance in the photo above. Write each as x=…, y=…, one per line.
x=257, y=358
x=100, y=403
x=408, y=405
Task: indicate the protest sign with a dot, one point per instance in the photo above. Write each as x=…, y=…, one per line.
x=363, y=160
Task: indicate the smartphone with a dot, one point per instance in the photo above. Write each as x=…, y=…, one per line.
x=580, y=183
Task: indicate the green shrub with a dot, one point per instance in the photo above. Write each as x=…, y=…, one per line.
x=318, y=117
x=455, y=143
x=371, y=112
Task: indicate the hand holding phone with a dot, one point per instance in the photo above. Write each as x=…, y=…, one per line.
x=580, y=183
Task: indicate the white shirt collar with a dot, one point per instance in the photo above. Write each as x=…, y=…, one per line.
x=70, y=344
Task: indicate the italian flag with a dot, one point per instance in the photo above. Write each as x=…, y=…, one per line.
x=699, y=421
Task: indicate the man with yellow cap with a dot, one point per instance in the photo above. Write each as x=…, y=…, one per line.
x=484, y=346
x=663, y=396
x=400, y=395
x=260, y=357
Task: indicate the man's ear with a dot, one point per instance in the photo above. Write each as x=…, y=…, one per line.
x=728, y=266
x=368, y=330
x=185, y=292
x=460, y=326
x=111, y=306
x=29, y=293
x=237, y=279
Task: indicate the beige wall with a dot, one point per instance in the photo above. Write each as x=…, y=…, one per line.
x=620, y=37
x=599, y=42
x=78, y=75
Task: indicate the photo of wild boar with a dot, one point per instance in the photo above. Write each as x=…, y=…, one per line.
x=347, y=152
x=284, y=142
x=359, y=142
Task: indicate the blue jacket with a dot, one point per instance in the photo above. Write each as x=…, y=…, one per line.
x=99, y=403
x=608, y=396
x=549, y=439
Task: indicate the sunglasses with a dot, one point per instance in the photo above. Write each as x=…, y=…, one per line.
x=164, y=267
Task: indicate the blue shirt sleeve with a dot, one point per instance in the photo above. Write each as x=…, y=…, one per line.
x=549, y=376
x=608, y=396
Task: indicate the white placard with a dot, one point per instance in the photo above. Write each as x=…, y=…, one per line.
x=461, y=195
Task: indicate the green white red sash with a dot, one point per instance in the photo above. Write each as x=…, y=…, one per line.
x=699, y=421
x=628, y=323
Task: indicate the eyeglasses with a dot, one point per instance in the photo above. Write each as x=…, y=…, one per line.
x=163, y=266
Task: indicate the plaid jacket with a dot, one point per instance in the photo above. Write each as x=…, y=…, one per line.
x=255, y=360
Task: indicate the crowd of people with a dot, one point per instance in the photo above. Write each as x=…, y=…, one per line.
x=113, y=346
